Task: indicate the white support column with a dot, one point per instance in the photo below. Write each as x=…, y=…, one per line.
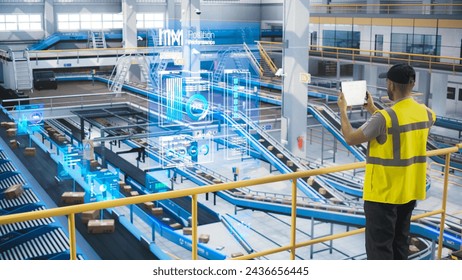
x=170, y=15
x=129, y=32
x=49, y=24
x=295, y=64
x=438, y=89
x=423, y=85
x=191, y=24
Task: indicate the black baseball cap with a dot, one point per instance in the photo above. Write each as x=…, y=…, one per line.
x=400, y=73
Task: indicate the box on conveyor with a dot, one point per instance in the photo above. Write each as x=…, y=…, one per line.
x=101, y=226
x=29, y=151
x=73, y=197
x=89, y=215
x=13, y=191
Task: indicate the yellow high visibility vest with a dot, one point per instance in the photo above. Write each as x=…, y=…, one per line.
x=396, y=169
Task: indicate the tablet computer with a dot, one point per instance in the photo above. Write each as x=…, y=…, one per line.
x=354, y=92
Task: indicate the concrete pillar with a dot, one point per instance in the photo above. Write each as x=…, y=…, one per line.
x=423, y=85
x=438, y=89
x=371, y=75
x=129, y=32
x=170, y=20
x=49, y=18
x=190, y=24
x=295, y=63
x=358, y=72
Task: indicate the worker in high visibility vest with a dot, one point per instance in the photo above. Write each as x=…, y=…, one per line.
x=395, y=174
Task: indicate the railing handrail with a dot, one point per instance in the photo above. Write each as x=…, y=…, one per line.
x=70, y=211
x=383, y=5
x=316, y=47
x=266, y=57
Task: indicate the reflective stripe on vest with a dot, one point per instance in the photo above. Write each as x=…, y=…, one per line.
x=395, y=130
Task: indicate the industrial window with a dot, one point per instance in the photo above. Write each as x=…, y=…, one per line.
x=89, y=21
x=20, y=22
x=148, y=21
x=460, y=94
x=451, y=93
x=341, y=39
x=416, y=43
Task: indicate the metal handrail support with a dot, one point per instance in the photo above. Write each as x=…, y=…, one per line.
x=73, y=209
x=266, y=57
x=13, y=61
x=253, y=59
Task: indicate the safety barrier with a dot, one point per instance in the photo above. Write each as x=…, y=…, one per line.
x=71, y=211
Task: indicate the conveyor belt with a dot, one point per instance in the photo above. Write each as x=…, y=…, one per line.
x=119, y=245
x=204, y=216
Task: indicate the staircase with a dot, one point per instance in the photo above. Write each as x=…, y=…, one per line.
x=144, y=69
x=268, y=66
x=253, y=60
x=98, y=40
x=119, y=74
x=22, y=70
x=159, y=65
x=235, y=54
x=152, y=38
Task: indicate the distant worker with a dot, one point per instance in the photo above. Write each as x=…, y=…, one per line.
x=395, y=165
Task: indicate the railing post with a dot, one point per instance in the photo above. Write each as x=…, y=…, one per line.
x=293, y=216
x=72, y=245
x=194, y=226
x=443, y=204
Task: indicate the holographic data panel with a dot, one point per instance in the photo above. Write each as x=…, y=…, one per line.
x=185, y=98
x=185, y=150
x=237, y=102
x=30, y=118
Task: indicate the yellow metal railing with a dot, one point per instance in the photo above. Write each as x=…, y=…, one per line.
x=70, y=211
x=385, y=8
x=264, y=54
x=253, y=59
x=450, y=62
x=433, y=168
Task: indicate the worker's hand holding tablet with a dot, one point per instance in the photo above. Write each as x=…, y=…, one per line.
x=354, y=92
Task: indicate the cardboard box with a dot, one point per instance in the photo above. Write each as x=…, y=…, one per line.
x=13, y=191
x=73, y=197
x=11, y=125
x=11, y=132
x=204, y=238
x=101, y=226
x=29, y=151
x=134, y=193
x=237, y=254
x=94, y=163
x=148, y=205
x=89, y=215
x=157, y=211
x=13, y=144
x=187, y=231
x=61, y=138
x=175, y=225
x=127, y=189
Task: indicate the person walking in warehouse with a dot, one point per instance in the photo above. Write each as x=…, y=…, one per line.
x=395, y=174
